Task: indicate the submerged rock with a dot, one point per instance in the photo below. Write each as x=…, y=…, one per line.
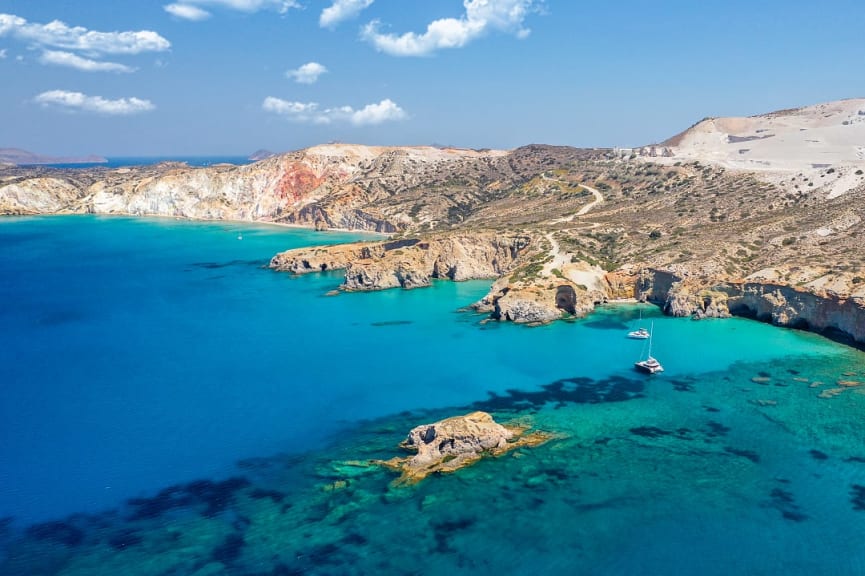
x=453, y=443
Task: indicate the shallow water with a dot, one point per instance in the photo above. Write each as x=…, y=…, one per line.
x=156, y=361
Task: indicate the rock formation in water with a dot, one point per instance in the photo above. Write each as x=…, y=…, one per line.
x=454, y=443
x=410, y=262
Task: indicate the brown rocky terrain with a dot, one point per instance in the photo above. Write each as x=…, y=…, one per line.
x=453, y=443
x=560, y=229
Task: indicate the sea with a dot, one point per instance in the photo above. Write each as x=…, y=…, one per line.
x=124, y=161
x=171, y=406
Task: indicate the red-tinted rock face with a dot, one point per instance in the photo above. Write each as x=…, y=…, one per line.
x=297, y=182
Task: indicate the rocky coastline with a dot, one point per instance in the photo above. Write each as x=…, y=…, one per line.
x=557, y=230
x=840, y=316
x=415, y=262
x=411, y=262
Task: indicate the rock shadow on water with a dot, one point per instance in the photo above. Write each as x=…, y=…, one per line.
x=212, y=497
x=606, y=324
x=784, y=502
x=229, y=550
x=716, y=429
x=683, y=384
x=857, y=497
x=747, y=454
x=655, y=432
x=123, y=539
x=566, y=391
x=391, y=323
x=57, y=531
x=444, y=531
x=228, y=264
x=818, y=455
x=261, y=493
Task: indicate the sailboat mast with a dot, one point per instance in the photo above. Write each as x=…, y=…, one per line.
x=651, y=333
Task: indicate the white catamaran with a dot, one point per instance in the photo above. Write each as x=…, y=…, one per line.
x=650, y=365
x=639, y=333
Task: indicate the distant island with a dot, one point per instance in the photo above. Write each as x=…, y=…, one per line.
x=261, y=155
x=19, y=157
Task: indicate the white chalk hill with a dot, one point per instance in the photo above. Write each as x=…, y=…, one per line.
x=807, y=140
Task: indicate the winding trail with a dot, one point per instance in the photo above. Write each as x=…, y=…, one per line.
x=599, y=199
x=560, y=259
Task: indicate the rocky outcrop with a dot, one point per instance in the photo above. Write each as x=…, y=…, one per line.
x=537, y=301
x=826, y=312
x=841, y=316
x=457, y=442
x=655, y=285
x=41, y=196
x=410, y=263
x=326, y=258
x=621, y=284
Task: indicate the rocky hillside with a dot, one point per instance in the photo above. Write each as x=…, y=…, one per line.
x=695, y=223
x=333, y=186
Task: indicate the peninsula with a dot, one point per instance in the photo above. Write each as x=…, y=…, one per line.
x=758, y=216
x=17, y=156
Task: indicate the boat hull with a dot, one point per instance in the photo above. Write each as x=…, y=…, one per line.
x=646, y=368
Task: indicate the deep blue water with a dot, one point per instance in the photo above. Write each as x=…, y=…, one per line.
x=121, y=161
x=138, y=355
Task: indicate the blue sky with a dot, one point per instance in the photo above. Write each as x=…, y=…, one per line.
x=199, y=77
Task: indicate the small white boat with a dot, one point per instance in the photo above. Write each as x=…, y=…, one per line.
x=639, y=333
x=650, y=365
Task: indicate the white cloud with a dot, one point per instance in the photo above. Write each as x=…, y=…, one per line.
x=480, y=17
x=342, y=10
x=59, y=35
x=308, y=73
x=281, y=6
x=2, y=54
x=60, y=58
x=384, y=111
x=97, y=104
x=187, y=12
x=310, y=112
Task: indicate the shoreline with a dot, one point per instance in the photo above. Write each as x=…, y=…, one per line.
x=832, y=333
x=378, y=235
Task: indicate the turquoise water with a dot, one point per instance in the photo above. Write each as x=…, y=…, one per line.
x=171, y=407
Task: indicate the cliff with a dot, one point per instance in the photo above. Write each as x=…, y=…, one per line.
x=412, y=262
x=838, y=315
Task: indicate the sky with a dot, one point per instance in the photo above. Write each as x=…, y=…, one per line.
x=228, y=77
